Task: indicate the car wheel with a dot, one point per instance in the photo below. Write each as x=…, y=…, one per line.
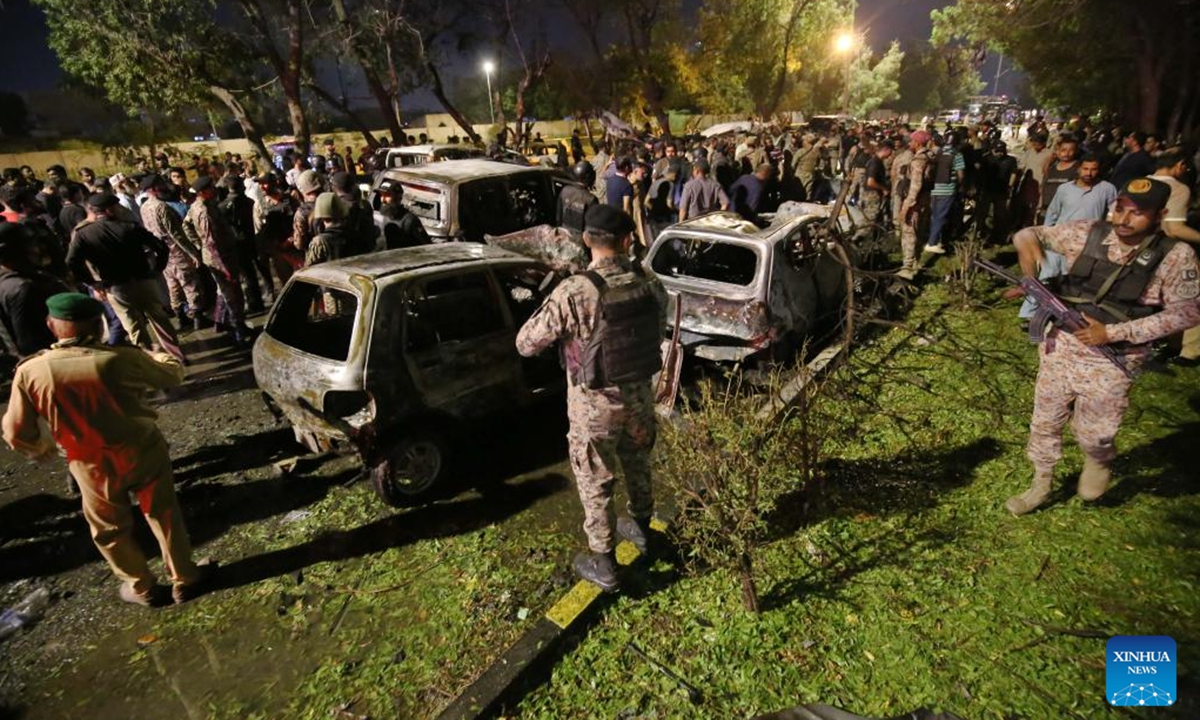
x=411, y=468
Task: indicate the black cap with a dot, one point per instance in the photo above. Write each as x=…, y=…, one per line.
x=102, y=200
x=202, y=183
x=1147, y=194
x=606, y=218
x=150, y=181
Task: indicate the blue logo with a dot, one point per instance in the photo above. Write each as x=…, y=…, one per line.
x=1141, y=670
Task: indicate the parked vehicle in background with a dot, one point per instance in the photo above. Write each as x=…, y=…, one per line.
x=393, y=354
x=467, y=199
x=410, y=155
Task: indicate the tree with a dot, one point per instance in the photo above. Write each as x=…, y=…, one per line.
x=156, y=54
x=277, y=34
x=789, y=38
x=933, y=79
x=1147, y=71
x=874, y=83
x=649, y=34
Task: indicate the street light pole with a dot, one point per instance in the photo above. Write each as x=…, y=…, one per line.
x=488, y=67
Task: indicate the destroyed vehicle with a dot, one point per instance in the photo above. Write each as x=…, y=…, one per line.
x=393, y=354
x=410, y=155
x=467, y=199
x=749, y=294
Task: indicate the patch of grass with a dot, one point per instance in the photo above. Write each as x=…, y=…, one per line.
x=906, y=583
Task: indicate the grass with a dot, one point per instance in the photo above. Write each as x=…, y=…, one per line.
x=906, y=583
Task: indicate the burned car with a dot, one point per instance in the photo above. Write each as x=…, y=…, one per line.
x=467, y=199
x=392, y=354
x=749, y=293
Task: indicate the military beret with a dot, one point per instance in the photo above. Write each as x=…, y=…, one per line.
x=73, y=306
x=204, y=182
x=920, y=137
x=1147, y=194
x=102, y=200
x=150, y=181
x=606, y=218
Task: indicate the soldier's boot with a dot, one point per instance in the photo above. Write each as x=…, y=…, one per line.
x=1032, y=498
x=635, y=532
x=600, y=569
x=1093, y=481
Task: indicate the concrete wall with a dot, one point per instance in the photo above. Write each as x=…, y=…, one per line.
x=438, y=128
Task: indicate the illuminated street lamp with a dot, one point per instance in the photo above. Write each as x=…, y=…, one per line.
x=846, y=43
x=488, y=68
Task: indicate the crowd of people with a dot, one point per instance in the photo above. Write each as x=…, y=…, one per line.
x=930, y=185
x=169, y=248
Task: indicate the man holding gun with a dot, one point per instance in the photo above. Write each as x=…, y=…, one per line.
x=1133, y=285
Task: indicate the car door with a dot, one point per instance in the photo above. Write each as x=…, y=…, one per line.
x=459, y=343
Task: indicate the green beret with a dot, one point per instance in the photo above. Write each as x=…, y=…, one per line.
x=74, y=306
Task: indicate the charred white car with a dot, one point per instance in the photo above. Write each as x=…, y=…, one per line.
x=750, y=293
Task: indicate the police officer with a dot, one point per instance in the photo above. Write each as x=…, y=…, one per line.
x=93, y=399
x=609, y=323
x=1135, y=285
x=574, y=201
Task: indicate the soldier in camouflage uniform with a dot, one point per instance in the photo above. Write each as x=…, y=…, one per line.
x=610, y=422
x=208, y=229
x=875, y=186
x=914, y=203
x=183, y=281
x=1144, y=286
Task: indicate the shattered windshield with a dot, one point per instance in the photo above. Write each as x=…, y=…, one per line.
x=706, y=260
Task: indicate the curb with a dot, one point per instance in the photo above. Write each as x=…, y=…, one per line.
x=571, y=613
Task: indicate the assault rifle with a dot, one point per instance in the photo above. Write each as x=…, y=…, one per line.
x=1050, y=308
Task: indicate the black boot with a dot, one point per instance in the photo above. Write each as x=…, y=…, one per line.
x=635, y=532
x=600, y=569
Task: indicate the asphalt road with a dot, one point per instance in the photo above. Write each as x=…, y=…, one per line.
x=237, y=484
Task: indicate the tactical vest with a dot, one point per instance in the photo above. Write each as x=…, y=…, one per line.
x=906, y=179
x=1106, y=290
x=624, y=348
x=574, y=202
x=944, y=173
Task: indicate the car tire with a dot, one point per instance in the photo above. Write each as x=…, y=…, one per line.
x=411, y=468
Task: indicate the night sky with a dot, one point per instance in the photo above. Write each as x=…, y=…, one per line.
x=29, y=64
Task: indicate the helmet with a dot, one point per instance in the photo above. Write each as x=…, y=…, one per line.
x=584, y=172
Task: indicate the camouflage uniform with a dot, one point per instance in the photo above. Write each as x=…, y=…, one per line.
x=914, y=208
x=183, y=282
x=209, y=229
x=899, y=160
x=608, y=425
x=1071, y=376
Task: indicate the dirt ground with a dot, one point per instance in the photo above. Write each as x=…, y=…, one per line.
x=296, y=546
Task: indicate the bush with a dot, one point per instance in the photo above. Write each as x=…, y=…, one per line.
x=730, y=466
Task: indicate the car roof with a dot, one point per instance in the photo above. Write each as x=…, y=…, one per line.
x=730, y=225
x=379, y=265
x=450, y=171
x=431, y=147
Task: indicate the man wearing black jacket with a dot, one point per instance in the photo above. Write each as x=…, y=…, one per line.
x=120, y=261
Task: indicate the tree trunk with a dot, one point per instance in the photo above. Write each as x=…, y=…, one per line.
x=343, y=107
x=439, y=92
x=652, y=94
x=388, y=101
x=249, y=127
x=290, y=79
x=749, y=589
